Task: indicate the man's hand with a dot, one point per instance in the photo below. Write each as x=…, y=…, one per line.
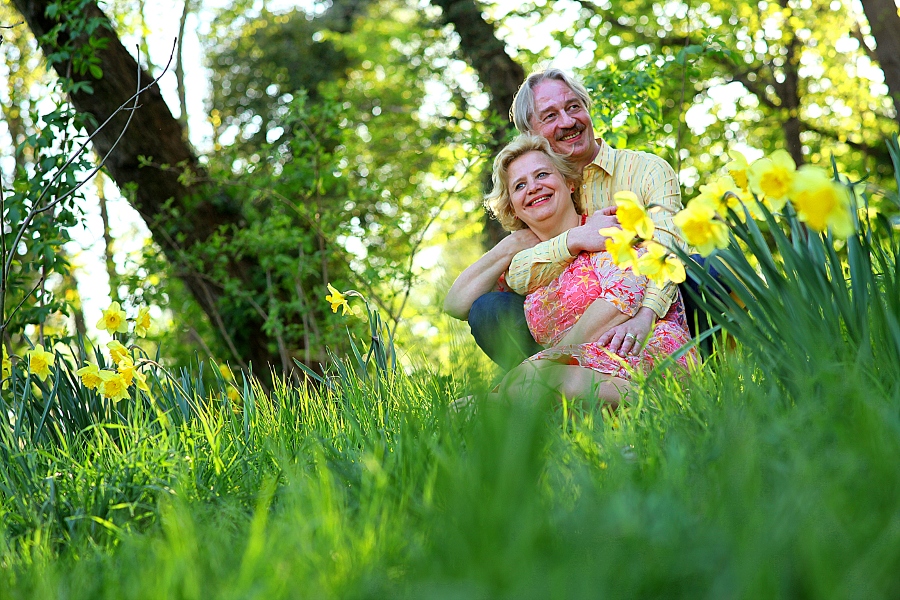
x=587, y=238
x=629, y=337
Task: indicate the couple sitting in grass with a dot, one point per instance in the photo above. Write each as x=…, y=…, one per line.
x=548, y=302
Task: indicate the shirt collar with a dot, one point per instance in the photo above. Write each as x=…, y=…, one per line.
x=606, y=157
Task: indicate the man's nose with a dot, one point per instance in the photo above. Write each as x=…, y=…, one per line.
x=565, y=121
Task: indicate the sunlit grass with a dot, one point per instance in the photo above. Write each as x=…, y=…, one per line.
x=733, y=488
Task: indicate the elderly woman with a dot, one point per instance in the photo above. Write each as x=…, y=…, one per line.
x=535, y=196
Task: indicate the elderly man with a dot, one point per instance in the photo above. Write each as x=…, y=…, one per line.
x=554, y=105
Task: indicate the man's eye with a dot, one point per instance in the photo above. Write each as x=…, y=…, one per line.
x=549, y=118
x=573, y=108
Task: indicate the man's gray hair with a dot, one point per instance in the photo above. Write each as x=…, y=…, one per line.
x=523, y=106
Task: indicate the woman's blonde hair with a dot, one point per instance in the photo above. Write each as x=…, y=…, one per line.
x=498, y=202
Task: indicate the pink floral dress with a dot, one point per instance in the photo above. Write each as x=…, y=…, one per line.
x=553, y=309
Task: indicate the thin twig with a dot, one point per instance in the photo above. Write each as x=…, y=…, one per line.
x=24, y=298
x=415, y=249
x=35, y=211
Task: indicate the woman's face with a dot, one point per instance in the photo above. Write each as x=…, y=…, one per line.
x=537, y=190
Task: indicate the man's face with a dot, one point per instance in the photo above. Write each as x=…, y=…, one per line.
x=560, y=117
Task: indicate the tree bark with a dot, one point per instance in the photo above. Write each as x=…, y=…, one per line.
x=884, y=21
x=178, y=215
x=500, y=75
x=789, y=92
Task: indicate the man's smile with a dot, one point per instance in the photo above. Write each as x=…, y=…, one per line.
x=573, y=133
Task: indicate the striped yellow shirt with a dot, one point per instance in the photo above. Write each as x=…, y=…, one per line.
x=651, y=178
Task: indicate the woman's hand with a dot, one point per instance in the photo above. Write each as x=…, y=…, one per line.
x=629, y=337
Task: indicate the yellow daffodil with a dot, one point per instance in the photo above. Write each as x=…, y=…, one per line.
x=226, y=372
x=131, y=375
x=633, y=215
x=716, y=194
x=701, y=229
x=113, y=319
x=672, y=270
x=771, y=178
x=337, y=299
x=142, y=322
x=822, y=202
x=113, y=386
x=751, y=204
x=233, y=394
x=6, y=372
x=126, y=370
x=117, y=351
x=90, y=376
x=620, y=245
x=737, y=168
x=659, y=265
x=39, y=362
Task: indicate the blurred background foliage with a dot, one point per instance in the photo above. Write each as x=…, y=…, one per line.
x=350, y=137
x=347, y=144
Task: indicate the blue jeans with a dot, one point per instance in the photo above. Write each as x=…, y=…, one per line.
x=497, y=320
x=700, y=321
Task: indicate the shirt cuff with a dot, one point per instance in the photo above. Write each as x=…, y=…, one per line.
x=559, y=249
x=655, y=300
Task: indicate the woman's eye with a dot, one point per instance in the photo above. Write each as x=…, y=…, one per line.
x=519, y=186
x=542, y=174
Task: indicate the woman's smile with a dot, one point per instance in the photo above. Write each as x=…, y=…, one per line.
x=539, y=194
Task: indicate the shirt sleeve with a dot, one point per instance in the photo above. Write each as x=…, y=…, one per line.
x=538, y=266
x=662, y=196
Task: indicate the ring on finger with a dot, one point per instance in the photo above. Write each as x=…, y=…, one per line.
x=629, y=335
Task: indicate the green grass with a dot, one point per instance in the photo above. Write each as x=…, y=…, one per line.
x=771, y=472
x=735, y=489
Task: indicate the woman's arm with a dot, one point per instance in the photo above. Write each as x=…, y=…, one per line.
x=596, y=320
x=482, y=276
x=602, y=321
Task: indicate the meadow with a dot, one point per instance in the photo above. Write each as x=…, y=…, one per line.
x=736, y=488
x=344, y=149
x=769, y=472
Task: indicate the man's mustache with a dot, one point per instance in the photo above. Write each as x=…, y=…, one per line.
x=577, y=128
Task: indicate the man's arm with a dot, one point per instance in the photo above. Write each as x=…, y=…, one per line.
x=482, y=276
x=662, y=195
x=539, y=265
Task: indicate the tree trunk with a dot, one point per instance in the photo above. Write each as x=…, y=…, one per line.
x=884, y=22
x=177, y=214
x=789, y=93
x=500, y=75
